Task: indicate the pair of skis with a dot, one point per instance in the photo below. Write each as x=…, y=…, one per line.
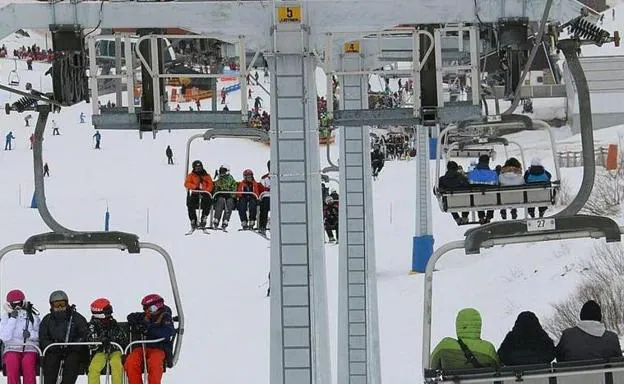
x=256, y=231
x=205, y=230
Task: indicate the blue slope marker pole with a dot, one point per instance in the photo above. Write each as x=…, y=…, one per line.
x=106, y=219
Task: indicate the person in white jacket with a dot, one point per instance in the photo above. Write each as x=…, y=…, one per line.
x=511, y=174
x=19, y=332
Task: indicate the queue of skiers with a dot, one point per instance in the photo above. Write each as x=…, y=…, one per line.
x=527, y=343
x=22, y=330
x=224, y=194
x=480, y=173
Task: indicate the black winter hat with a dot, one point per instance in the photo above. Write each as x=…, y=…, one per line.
x=484, y=159
x=452, y=166
x=591, y=311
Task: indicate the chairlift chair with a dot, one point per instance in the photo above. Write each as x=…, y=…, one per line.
x=105, y=240
x=481, y=197
x=14, y=79
x=213, y=133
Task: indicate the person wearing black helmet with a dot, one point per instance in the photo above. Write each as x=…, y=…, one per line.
x=199, y=185
x=63, y=325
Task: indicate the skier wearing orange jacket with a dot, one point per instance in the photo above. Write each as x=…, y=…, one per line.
x=199, y=185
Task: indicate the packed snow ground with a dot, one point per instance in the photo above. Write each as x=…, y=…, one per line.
x=223, y=276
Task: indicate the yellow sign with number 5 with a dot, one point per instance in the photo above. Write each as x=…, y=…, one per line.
x=352, y=47
x=289, y=14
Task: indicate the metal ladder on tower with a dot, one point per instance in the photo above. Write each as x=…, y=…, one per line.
x=429, y=120
x=357, y=302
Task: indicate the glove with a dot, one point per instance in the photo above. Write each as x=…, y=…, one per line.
x=140, y=328
x=105, y=341
x=25, y=334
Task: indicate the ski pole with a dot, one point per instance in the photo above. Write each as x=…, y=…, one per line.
x=144, y=360
x=107, y=367
x=28, y=315
x=59, y=377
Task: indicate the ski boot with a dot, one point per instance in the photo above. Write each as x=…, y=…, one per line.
x=251, y=224
x=224, y=224
x=244, y=226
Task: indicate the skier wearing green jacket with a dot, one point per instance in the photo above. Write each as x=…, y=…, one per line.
x=448, y=354
x=223, y=202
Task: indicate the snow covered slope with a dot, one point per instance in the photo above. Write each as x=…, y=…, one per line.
x=222, y=276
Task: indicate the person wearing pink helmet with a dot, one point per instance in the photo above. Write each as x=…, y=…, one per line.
x=155, y=322
x=19, y=331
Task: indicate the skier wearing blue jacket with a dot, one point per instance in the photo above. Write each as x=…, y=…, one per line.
x=7, y=143
x=482, y=174
x=536, y=174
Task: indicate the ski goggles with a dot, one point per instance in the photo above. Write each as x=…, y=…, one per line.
x=58, y=306
x=99, y=315
x=151, y=308
x=16, y=304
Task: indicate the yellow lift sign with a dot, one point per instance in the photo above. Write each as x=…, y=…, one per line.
x=289, y=14
x=352, y=47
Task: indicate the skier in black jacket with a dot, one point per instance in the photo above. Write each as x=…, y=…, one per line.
x=454, y=179
x=527, y=343
x=377, y=160
x=63, y=324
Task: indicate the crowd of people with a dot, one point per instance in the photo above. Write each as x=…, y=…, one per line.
x=527, y=343
x=22, y=331
x=480, y=173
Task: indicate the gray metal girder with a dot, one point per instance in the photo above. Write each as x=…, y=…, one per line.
x=358, y=335
x=357, y=117
x=458, y=111
x=299, y=323
x=127, y=241
x=229, y=19
x=122, y=120
x=598, y=226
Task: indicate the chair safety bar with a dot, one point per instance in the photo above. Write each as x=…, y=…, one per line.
x=36, y=347
x=141, y=342
x=212, y=195
x=58, y=241
x=82, y=343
